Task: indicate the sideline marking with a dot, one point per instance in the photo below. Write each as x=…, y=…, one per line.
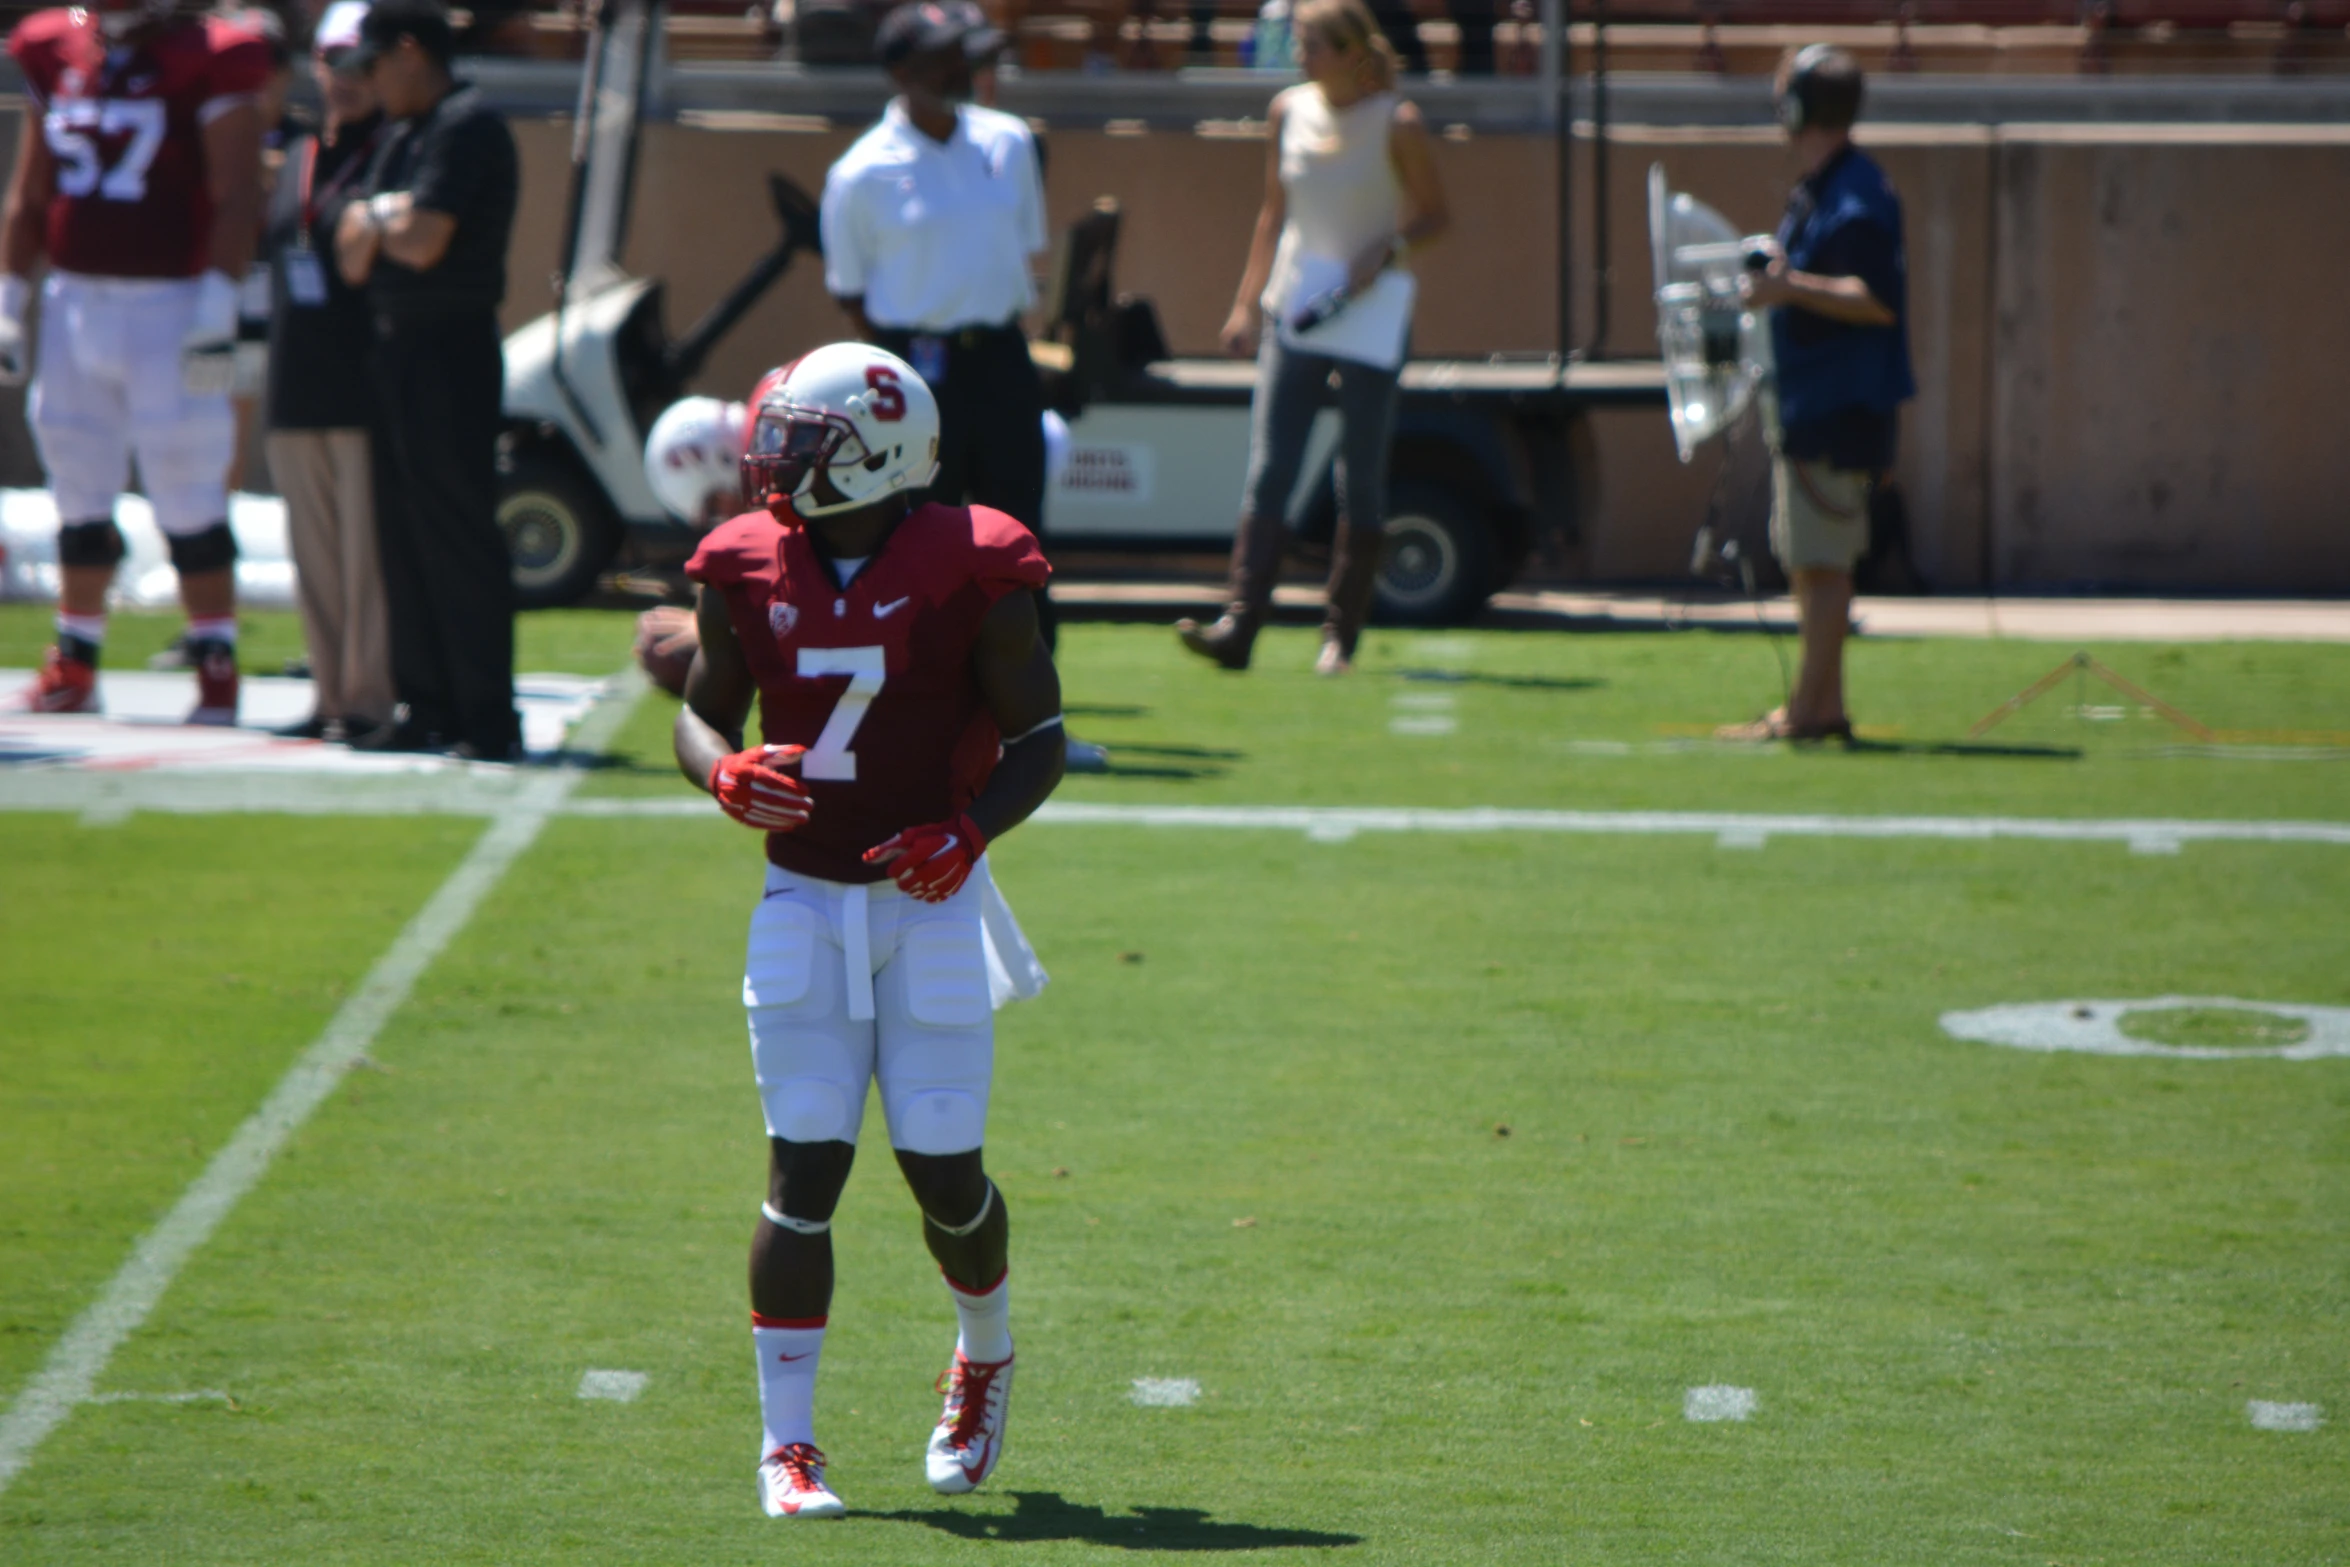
x=2284, y=1417
x=1718, y=1402
x=1165, y=1392
x=2094, y=1028
x=490, y=794
x=70, y=1374
x=621, y=1387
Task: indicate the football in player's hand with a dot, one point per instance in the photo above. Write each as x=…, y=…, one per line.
x=666, y=641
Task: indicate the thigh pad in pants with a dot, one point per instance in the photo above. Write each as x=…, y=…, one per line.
x=935, y=1055
x=812, y=1061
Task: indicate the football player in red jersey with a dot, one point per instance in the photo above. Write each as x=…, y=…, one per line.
x=141, y=186
x=910, y=714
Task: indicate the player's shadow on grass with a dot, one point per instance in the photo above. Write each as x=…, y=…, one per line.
x=1466, y=677
x=1039, y=1516
x=1863, y=746
x=1183, y=763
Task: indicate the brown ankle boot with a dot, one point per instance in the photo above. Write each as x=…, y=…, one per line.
x=1256, y=560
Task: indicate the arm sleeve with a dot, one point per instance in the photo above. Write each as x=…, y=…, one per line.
x=845, y=251
x=239, y=68
x=1860, y=246
x=464, y=167
x=724, y=554
x=1005, y=554
x=1032, y=230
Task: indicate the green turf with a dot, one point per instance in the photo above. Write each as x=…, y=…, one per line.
x=1532, y=1135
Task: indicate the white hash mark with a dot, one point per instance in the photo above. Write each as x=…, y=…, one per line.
x=1422, y=724
x=2284, y=1417
x=1718, y=1402
x=1165, y=1392
x=621, y=1387
x=199, y=1396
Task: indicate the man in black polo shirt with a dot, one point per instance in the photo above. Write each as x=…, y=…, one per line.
x=430, y=246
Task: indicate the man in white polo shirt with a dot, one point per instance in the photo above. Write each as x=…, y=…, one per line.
x=930, y=221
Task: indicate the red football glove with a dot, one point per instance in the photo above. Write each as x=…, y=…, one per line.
x=933, y=862
x=751, y=787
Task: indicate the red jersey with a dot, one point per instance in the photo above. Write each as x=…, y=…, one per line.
x=126, y=128
x=874, y=679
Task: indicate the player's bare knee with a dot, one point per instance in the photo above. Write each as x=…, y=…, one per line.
x=804, y=1182
x=90, y=544
x=212, y=548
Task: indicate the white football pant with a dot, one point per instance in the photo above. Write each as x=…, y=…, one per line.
x=107, y=384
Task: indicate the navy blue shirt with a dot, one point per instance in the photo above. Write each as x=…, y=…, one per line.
x=1840, y=385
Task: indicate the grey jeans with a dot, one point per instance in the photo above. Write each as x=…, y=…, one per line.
x=1281, y=418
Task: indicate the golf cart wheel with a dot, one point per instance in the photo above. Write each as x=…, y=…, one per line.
x=1437, y=567
x=558, y=530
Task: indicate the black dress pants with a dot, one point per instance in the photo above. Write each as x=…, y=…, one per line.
x=448, y=580
x=991, y=426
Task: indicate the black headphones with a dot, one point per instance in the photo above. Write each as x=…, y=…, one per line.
x=1812, y=93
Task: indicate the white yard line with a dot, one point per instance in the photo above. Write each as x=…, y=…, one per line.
x=495, y=792
x=70, y=1374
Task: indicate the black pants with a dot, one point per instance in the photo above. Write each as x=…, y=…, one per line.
x=440, y=385
x=991, y=427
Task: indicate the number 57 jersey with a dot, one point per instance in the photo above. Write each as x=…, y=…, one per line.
x=875, y=679
x=125, y=128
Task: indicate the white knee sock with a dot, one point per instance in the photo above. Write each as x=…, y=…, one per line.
x=789, y=1348
x=985, y=1319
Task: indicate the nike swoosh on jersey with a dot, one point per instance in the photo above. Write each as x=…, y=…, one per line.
x=884, y=611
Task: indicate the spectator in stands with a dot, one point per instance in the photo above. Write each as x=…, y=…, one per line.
x=1838, y=288
x=430, y=246
x=1350, y=192
x=930, y=221
x=319, y=405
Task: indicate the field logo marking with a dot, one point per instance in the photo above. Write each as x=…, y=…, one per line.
x=69, y=1376
x=1164, y=1392
x=2097, y=1028
x=621, y=1387
x=1718, y=1401
x=2283, y=1417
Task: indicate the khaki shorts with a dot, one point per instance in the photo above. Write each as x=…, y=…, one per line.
x=1819, y=515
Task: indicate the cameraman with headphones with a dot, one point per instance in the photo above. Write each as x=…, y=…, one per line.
x=1837, y=284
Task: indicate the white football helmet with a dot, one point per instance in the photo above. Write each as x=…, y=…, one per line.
x=857, y=415
x=693, y=457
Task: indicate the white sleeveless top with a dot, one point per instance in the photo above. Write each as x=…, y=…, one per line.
x=1341, y=187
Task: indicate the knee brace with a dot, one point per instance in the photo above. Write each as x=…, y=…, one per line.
x=89, y=544
x=986, y=1207
x=209, y=549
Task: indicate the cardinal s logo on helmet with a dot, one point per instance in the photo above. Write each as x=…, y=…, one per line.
x=850, y=419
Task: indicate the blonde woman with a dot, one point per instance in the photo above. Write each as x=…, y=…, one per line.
x=1350, y=192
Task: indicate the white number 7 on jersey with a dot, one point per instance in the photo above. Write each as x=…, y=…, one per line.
x=830, y=757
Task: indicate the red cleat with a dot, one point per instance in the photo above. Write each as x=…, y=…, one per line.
x=64, y=685
x=216, y=686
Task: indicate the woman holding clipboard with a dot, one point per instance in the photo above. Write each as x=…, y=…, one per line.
x=1350, y=193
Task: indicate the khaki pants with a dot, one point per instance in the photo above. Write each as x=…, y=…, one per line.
x=1819, y=515
x=326, y=479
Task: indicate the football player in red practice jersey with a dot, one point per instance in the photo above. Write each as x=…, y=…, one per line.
x=141, y=185
x=910, y=714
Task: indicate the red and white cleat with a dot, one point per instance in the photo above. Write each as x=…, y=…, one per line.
x=64, y=685
x=216, y=686
x=791, y=1484
x=970, y=1434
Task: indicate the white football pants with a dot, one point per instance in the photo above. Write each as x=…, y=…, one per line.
x=847, y=986
x=107, y=385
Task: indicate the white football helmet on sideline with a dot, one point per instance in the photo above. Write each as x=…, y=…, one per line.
x=857, y=415
x=693, y=457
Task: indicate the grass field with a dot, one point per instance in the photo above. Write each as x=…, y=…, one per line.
x=1445, y=1164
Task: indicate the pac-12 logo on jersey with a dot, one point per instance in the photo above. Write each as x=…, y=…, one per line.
x=781, y=618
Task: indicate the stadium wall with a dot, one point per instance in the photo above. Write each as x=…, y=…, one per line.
x=2127, y=343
